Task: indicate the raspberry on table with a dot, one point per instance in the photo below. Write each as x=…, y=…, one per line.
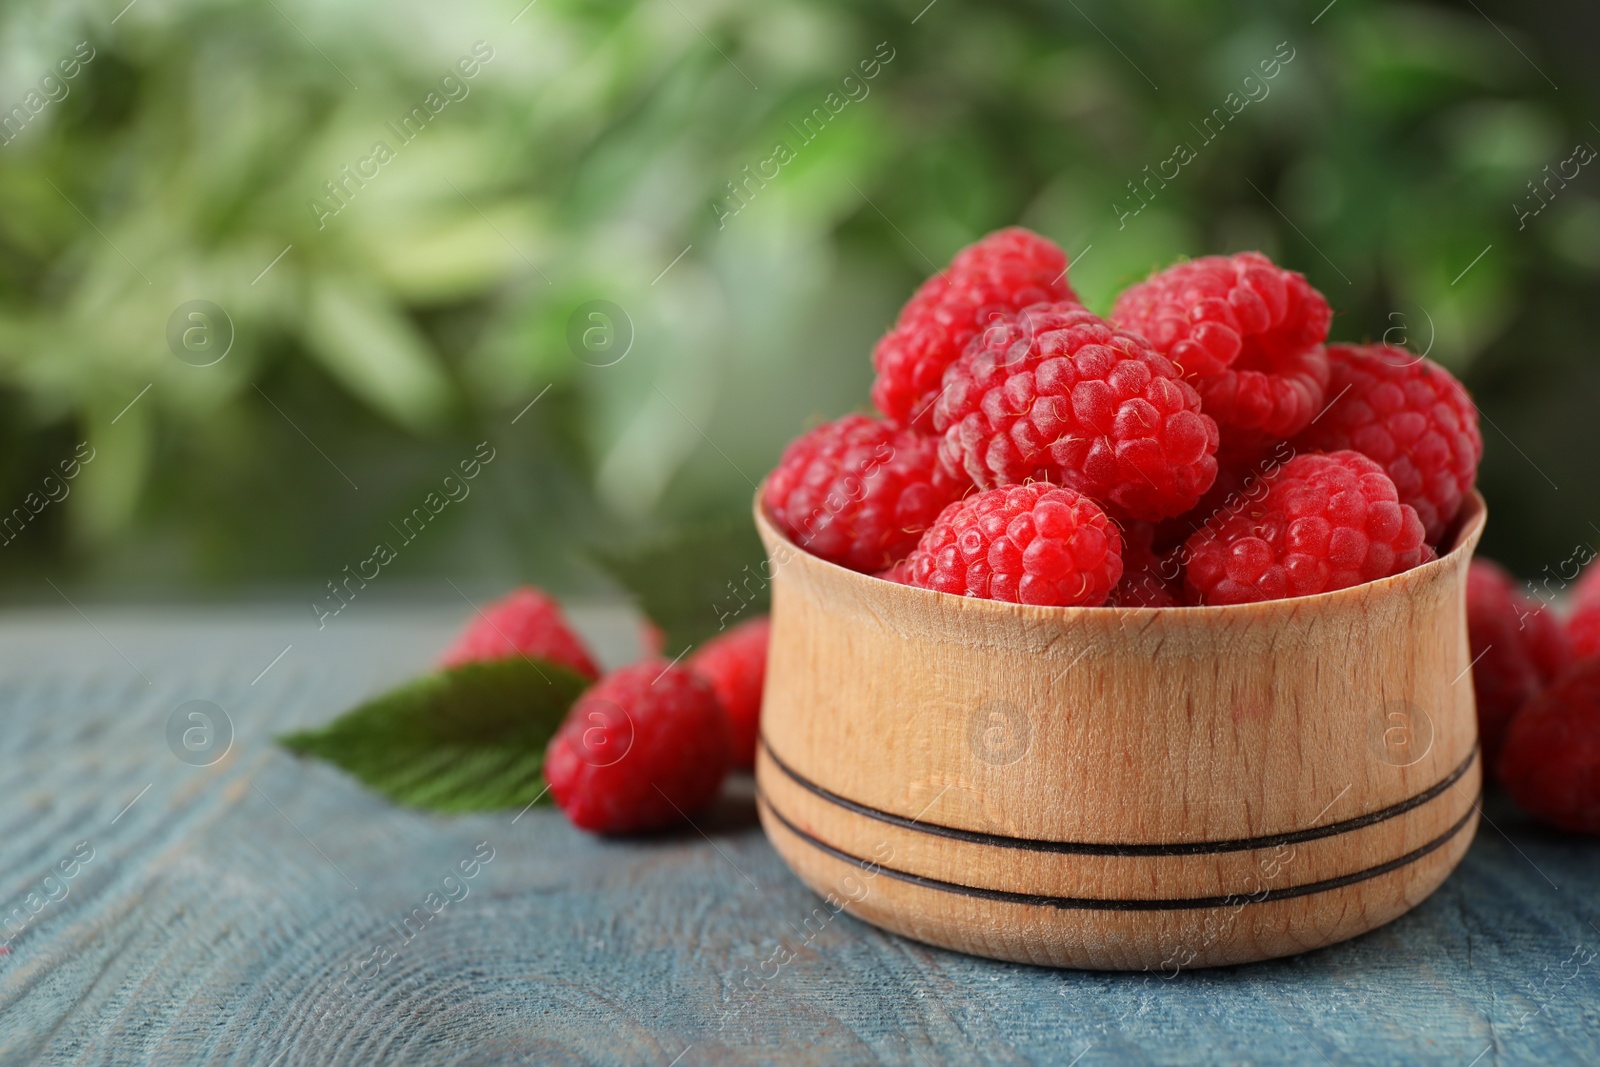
x=1054, y=394
x=1151, y=578
x=1550, y=762
x=524, y=622
x=1007, y=270
x=1323, y=522
x=859, y=492
x=1247, y=332
x=1027, y=544
x=645, y=747
x=1517, y=649
x=734, y=664
x=1409, y=414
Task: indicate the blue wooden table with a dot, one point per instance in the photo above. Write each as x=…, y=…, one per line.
x=237, y=905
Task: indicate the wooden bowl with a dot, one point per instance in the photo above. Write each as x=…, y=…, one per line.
x=1125, y=789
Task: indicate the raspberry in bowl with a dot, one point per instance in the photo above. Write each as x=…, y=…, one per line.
x=1124, y=644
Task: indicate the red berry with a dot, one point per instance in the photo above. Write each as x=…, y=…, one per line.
x=524, y=622
x=1517, y=648
x=1322, y=522
x=1029, y=544
x=1411, y=416
x=1054, y=394
x=1150, y=578
x=859, y=492
x=1007, y=270
x=645, y=747
x=1551, y=759
x=734, y=664
x=1247, y=332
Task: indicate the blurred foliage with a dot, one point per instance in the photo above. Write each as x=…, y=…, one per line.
x=585, y=162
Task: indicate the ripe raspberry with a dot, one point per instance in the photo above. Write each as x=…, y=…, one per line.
x=1007, y=270
x=1411, y=416
x=859, y=492
x=1055, y=394
x=1324, y=522
x=1029, y=544
x=734, y=664
x=645, y=747
x=524, y=622
x=1517, y=648
x=1551, y=759
x=1150, y=578
x=1247, y=333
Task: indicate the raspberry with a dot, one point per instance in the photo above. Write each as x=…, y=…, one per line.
x=859, y=492
x=1517, y=648
x=524, y=622
x=1150, y=578
x=1247, y=332
x=1322, y=523
x=1411, y=416
x=1029, y=544
x=1007, y=270
x=1551, y=759
x=1053, y=393
x=647, y=746
x=734, y=664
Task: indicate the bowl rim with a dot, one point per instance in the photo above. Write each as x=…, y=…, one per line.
x=1467, y=527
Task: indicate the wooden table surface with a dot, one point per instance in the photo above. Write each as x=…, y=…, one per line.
x=236, y=912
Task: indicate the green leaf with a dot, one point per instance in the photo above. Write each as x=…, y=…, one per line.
x=470, y=738
x=696, y=581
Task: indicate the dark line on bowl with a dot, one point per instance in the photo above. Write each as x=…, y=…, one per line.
x=1096, y=848
x=1129, y=904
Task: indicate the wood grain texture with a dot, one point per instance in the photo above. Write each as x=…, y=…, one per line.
x=207, y=929
x=1069, y=786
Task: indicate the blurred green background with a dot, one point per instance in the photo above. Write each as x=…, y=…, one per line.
x=1389, y=160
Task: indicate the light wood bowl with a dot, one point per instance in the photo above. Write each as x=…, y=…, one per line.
x=1125, y=789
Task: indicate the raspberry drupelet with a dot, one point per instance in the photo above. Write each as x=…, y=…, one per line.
x=1409, y=414
x=1248, y=334
x=1007, y=270
x=1323, y=522
x=1027, y=544
x=1055, y=394
x=859, y=492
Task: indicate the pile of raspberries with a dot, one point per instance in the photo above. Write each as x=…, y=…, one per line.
x=1202, y=446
